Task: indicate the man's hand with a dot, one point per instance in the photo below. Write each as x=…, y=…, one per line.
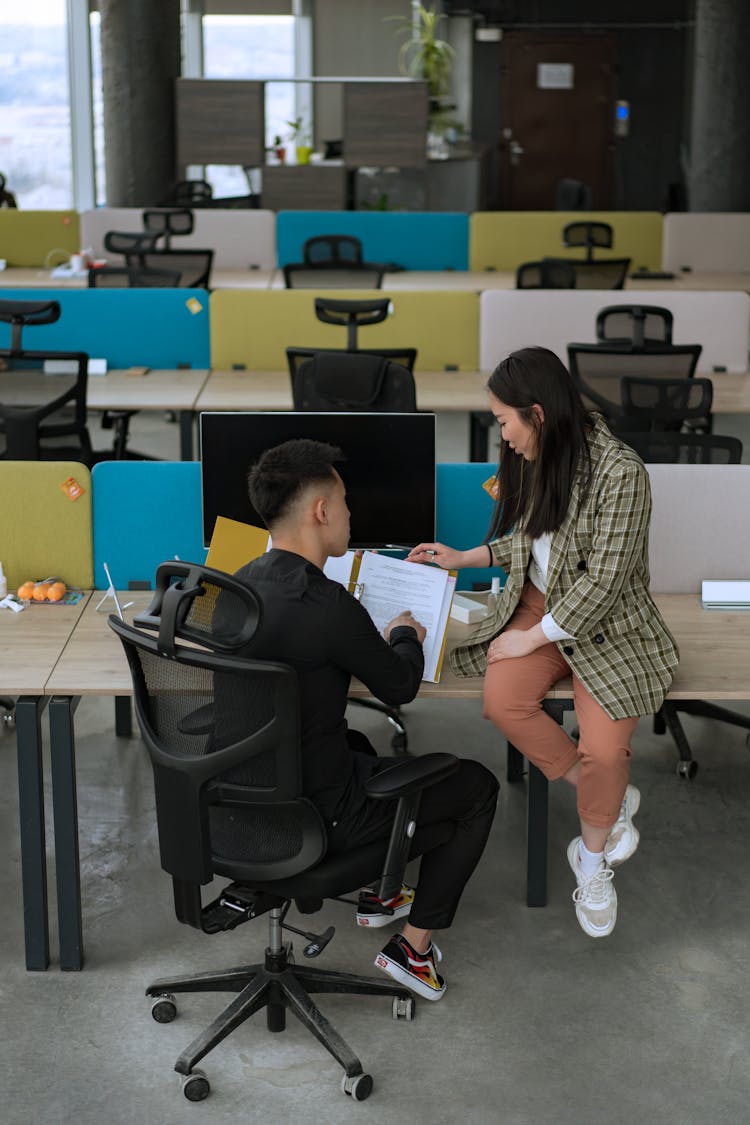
x=406, y=618
x=515, y=642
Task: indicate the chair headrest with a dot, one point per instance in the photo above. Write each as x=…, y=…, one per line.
x=29, y=312
x=350, y=379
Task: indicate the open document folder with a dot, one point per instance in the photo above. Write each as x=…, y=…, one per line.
x=384, y=585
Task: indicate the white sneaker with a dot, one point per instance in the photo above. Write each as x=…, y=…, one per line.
x=623, y=839
x=595, y=897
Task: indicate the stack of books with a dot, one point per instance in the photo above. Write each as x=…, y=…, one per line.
x=725, y=595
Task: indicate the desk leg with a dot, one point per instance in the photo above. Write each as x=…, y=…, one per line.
x=536, y=838
x=31, y=815
x=187, y=420
x=65, y=806
x=514, y=770
x=478, y=443
x=123, y=716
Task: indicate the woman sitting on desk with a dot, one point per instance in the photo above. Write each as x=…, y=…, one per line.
x=571, y=530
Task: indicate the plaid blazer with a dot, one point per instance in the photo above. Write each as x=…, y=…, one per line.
x=597, y=588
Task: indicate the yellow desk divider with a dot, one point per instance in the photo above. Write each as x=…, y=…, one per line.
x=502, y=240
x=45, y=516
x=27, y=238
x=253, y=327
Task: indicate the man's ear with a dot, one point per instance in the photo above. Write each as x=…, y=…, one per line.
x=320, y=513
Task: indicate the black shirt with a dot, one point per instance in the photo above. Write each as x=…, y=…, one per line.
x=314, y=625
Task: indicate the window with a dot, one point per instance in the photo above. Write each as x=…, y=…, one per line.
x=251, y=47
x=35, y=145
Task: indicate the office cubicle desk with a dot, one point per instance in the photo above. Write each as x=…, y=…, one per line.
x=157, y=390
x=34, y=277
x=30, y=645
x=477, y=281
x=715, y=657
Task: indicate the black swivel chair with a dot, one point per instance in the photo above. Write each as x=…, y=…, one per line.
x=573, y=195
x=546, y=274
x=130, y=243
x=191, y=193
x=193, y=266
x=597, y=370
x=168, y=221
x=588, y=234
x=636, y=325
x=34, y=431
x=604, y=273
x=659, y=447
x=223, y=735
x=665, y=405
x=333, y=261
x=132, y=277
x=331, y=381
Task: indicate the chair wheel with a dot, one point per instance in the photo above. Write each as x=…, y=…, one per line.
x=687, y=770
x=164, y=1008
x=9, y=720
x=359, y=1086
x=195, y=1086
x=404, y=1008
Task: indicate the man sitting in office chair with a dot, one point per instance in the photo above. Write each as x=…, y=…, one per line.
x=314, y=625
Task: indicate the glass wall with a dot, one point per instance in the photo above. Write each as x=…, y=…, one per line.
x=35, y=145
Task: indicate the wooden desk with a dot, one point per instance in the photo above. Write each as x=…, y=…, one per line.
x=93, y=663
x=244, y=279
x=175, y=390
x=479, y=280
x=30, y=644
x=35, y=277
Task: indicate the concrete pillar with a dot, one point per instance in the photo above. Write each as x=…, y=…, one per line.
x=719, y=178
x=140, y=62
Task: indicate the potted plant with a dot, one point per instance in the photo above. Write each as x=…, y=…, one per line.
x=300, y=136
x=423, y=55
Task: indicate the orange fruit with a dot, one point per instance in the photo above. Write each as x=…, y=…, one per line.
x=26, y=591
x=41, y=589
x=57, y=592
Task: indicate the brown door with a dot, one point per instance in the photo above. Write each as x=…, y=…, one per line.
x=557, y=117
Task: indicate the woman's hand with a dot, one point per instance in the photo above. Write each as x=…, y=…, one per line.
x=438, y=553
x=515, y=642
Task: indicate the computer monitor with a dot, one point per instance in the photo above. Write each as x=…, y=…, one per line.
x=389, y=471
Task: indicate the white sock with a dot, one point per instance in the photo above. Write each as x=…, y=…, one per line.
x=590, y=861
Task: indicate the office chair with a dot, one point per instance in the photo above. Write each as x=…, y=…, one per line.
x=132, y=277
x=639, y=325
x=193, y=266
x=665, y=404
x=573, y=195
x=191, y=193
x=352, y=315
x=604, y=273
x=588, y=234
x=659, y=447
x=557, y=274
x=32, y=431
x=130, y=243
x=353, y=381
x=333, y=261
x=168, y=221
x=223, y=735
x=597, y=370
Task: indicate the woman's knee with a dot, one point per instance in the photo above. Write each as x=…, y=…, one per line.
x=605, y=754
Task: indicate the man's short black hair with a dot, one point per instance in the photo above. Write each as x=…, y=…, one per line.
x=280, y=474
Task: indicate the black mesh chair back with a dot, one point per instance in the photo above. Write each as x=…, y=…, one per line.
x=597, y=369
x=39, y=414
x=573, y=195
x=168, y=221
x=193, y=266
x=405, y=357
x=662, y=404
x=132, y=277
x=604, y=273
x=639, y=325
x=130, y=242
x=556, y=274
x=658, y=447
x=328, y=250
x=192, y=193
x=353, y=381
x=588, y=234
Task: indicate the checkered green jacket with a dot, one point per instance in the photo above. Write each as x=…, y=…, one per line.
x=597, y=588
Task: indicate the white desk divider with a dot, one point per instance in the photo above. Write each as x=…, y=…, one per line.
x=711, y=243
x=553, y=318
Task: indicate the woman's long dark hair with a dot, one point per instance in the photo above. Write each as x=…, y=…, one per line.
x=537, y=493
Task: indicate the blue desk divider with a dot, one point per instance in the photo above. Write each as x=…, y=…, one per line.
x=145, y=512
x=415, y=240
x=464, y=511
x=163, y=328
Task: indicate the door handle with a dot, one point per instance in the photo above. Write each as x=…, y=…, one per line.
x=516, y=152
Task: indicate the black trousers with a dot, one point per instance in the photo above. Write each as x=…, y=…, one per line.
x=453, y=823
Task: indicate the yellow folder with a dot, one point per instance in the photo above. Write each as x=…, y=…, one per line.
x=233, y=544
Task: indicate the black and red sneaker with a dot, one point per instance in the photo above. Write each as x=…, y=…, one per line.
x=414, y=970
x=374, y=911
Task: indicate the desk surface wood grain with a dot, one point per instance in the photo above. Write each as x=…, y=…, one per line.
x=714, y=647
x=31, y=643
x=117, y=390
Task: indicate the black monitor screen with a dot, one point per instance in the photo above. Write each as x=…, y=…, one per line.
x=389, y=471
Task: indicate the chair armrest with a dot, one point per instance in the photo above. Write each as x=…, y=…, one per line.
x=411, y=776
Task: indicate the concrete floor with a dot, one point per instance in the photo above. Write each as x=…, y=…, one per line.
x=540, y=1024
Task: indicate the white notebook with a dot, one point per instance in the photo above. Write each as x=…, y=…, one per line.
x=725, y=595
